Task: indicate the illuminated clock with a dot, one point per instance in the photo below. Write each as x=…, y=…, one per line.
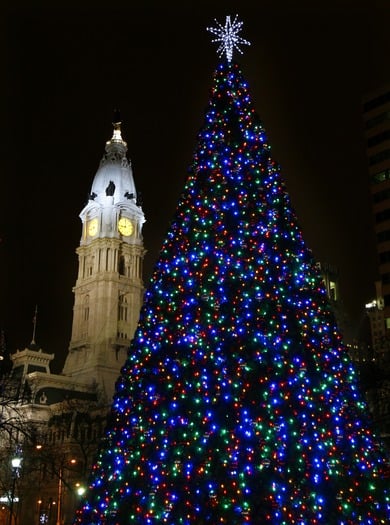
x=125, y=226
x=93, y=227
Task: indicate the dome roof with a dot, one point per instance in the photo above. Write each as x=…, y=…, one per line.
x=114, y=176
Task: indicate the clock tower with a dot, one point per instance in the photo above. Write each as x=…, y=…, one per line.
x=108, y=293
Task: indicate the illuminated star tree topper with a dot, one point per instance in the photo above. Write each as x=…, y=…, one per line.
x=228, y=37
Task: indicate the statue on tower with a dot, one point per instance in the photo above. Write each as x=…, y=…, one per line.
x=110, y=190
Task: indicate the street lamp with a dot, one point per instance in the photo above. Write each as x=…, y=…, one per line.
x=59, y=499
x=16, y=463
x=61, y=483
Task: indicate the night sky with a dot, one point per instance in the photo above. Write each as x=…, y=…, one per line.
x=65, y=70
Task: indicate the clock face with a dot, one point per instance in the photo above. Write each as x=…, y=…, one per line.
x=93, y=227
x=125, y=226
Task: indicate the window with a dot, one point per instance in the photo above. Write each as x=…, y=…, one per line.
x=86, y=308
x=378, y=139
x=382, y=216
x=376, y=102
x=381, y=195
x=90, y=266
x=121, y=265
x=383, y=236
x=379, y=157
x=382, y=117
x=384, y=257
x=382, y=176
x=333, y=290
x=122, y=308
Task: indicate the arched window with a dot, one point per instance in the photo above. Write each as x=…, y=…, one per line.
x=86, y=308
x=122, y=308
x=121, y=265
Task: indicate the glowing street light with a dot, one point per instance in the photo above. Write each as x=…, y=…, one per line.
x=80, y=490
x=16, y=463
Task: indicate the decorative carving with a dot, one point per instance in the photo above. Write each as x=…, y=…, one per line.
x=43, y=399
x=115, y=157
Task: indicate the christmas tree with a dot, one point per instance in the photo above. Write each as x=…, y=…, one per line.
x=238, y=402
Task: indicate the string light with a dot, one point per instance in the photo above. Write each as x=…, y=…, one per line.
x=238, y=402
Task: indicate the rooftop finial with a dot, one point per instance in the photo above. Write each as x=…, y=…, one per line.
x=34, y=325
x=228, y=37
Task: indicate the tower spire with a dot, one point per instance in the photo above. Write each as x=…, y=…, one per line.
x=34, y=325
x=111, y=234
